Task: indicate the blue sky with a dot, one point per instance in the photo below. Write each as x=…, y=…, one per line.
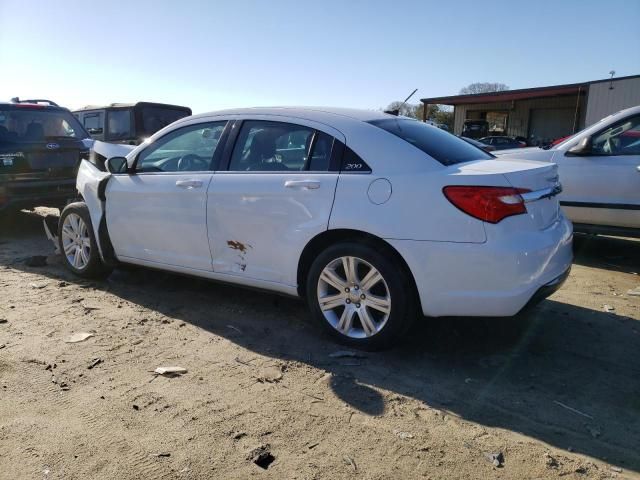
x=218, y=54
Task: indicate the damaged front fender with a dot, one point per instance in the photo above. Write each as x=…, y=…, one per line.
x=91, y=183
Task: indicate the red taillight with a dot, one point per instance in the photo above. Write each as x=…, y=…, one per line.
x=489, y=204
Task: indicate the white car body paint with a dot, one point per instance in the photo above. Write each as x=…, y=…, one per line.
x=250, y=228
x=591, y=183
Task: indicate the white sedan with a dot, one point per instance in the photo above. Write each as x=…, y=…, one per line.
x=600, y=170
x=371, y=218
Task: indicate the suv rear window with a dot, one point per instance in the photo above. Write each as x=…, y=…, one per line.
x=33, y=124
x=438, y=144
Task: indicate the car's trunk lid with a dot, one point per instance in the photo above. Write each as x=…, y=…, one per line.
x=541, y=179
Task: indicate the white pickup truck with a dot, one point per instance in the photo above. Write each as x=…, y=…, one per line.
x=599, y=168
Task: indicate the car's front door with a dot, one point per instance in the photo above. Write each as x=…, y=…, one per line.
x=157, y=213
x=275, y=195
x=603, y=187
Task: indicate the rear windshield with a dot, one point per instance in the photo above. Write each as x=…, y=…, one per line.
x=33, y=124
x=156, y=118
x=438, y=144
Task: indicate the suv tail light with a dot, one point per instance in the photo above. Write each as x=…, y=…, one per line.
x=489, y=204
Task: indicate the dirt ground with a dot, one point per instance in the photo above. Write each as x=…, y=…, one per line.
x=553, y=393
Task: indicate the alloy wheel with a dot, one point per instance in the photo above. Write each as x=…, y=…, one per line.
x=76, y=241
x=354, y=297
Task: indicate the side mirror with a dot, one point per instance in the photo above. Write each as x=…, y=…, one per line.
x=582, y=148
x=116, y=165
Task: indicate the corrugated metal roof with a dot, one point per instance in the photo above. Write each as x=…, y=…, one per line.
x=520, y=94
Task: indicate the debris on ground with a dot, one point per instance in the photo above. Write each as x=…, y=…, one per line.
x=634, y=292
x=160, y=455
x=36, y=261
x=571, y=409
x=608, y=308
x=350, y=461
x=2, y=345
x=261, y=456
x=239, y=435
x=496, y=458
x=616, y=469
x=270, y=375
x=3, y=320
x=550, y=461
x=170, y=371
x=94, y=362
x=403, y=435
x=38, y=286
x=347, y=354
x=136, y=407
x=78, y=337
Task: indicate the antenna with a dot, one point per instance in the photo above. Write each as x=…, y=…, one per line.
x=396, y=111
x=612, y=73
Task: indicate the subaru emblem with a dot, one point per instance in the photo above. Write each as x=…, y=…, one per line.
x=52, y=146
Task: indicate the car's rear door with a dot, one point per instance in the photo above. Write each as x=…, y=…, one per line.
x=274, y=196
x=603, y=188
x=157, y=213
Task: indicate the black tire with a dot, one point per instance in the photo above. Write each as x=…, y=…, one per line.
x=397, y=283
x=94, y=268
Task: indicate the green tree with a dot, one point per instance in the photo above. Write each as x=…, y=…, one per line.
x=483, y=87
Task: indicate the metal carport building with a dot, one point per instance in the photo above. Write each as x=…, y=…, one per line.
x=545, y=113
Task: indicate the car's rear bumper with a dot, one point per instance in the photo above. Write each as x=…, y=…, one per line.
x=495, y=278
x=28, y=194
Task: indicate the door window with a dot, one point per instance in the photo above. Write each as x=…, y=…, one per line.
x=188, y=149
x=621, y=138
x=93, y=123
x=119, y=124
x=280, y=147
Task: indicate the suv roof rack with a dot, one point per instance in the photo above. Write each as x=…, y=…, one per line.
x=34, y=100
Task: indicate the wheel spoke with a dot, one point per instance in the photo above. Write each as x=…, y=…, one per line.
x=76, y=257
x=84, y=256
x=332, y=301
x=86, y=242
x=346, y=320
x=67, y=231
x=382, y=304
x=367, y=322
x=370, y=279
x=349, y=265
x=331, y=277
x=73, y=222
x=69, y=248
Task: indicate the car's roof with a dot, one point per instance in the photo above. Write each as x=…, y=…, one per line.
x=39, y=106
x=309, y=113
x=129, y=105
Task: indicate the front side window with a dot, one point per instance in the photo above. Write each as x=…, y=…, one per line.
x=435, y=142
x=119, y=124
x=188, y=149
x=621, y=138
x=281, y=147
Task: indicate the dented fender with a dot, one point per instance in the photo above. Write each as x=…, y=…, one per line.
x=91, y=183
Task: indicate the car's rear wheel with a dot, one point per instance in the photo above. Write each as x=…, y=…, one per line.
x=78, y=244
x=360, y=296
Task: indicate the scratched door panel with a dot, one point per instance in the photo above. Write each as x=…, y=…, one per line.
x=259, y=223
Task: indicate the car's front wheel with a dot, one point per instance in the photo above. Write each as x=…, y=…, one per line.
x=360, y=296
x=78, y=244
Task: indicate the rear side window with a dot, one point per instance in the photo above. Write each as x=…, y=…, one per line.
x=435, y=142
x=20, y=124
x=119, y=124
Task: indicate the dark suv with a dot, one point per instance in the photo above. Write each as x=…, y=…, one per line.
x=128, y=123
x=41, y=145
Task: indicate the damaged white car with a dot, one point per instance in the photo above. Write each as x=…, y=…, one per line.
x=371, y=218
